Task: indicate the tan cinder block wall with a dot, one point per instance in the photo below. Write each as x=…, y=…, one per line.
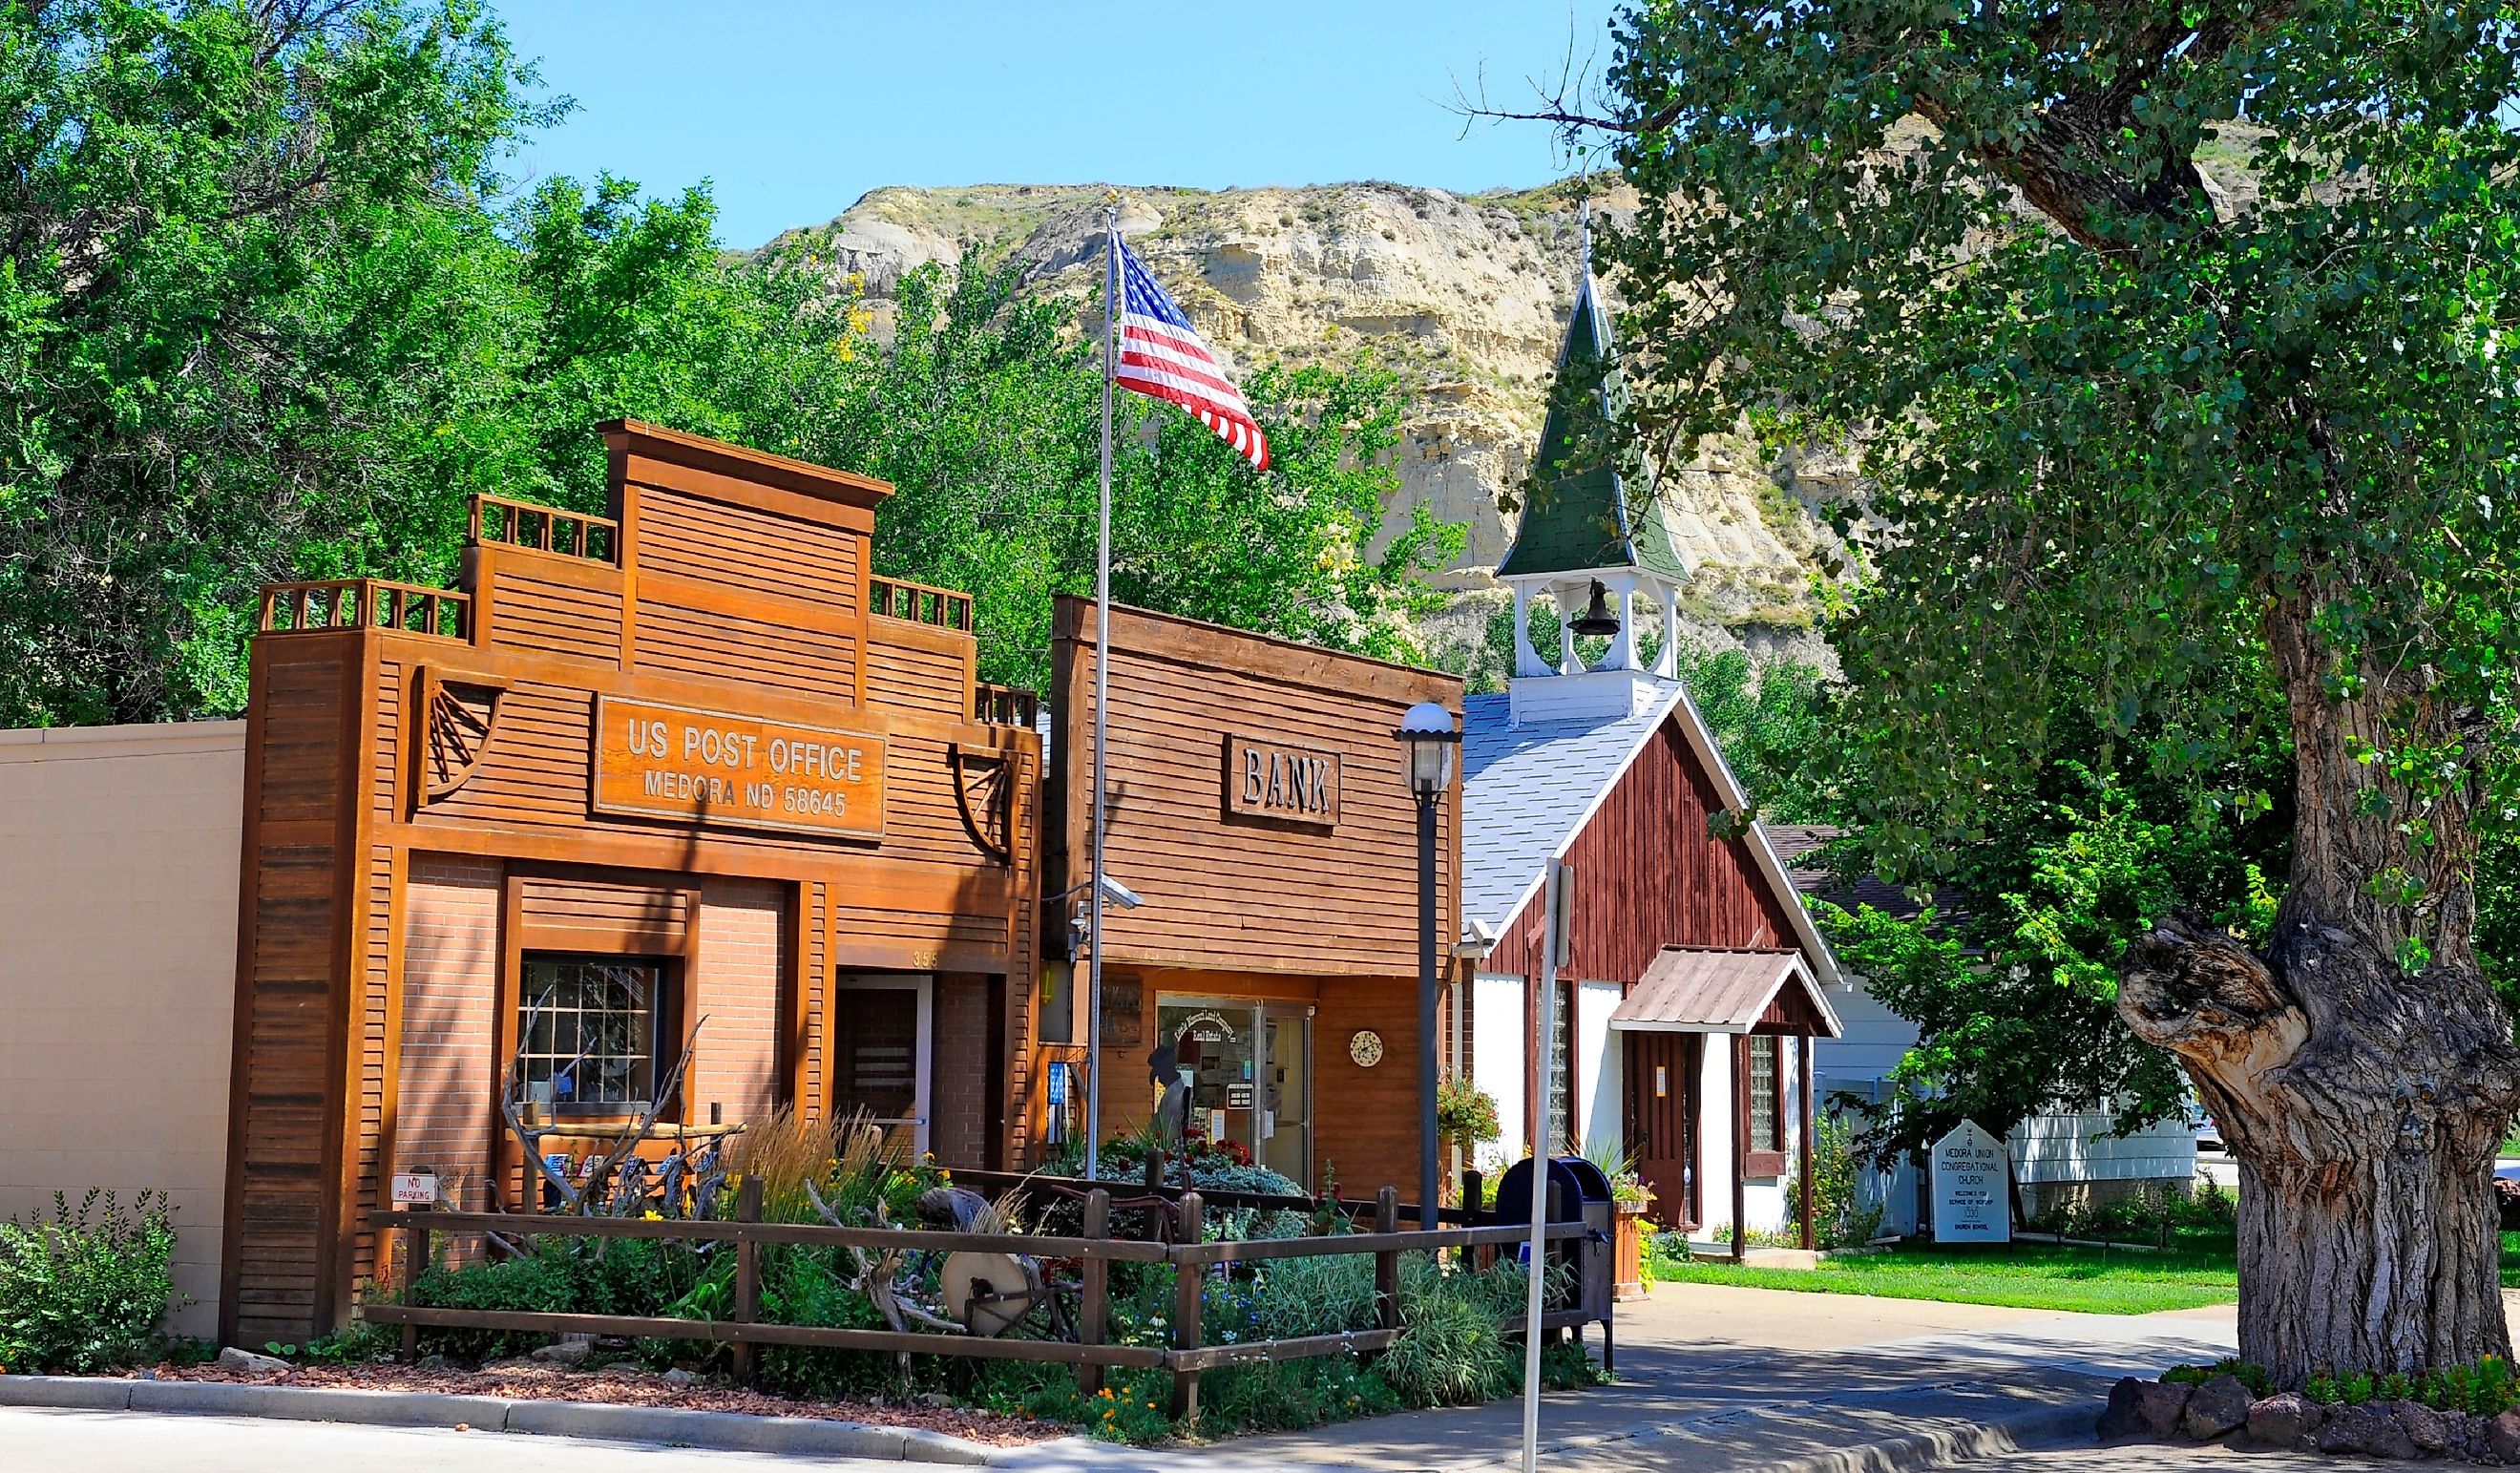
x=118, y=851
x=449, y=1071
x=736, y=1063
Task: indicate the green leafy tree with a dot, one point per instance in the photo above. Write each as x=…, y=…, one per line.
x=2179, y=340
x=268, y=311
x=222, y=222
x=2015, y=997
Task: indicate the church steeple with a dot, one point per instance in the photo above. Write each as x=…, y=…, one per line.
x=1589, y=533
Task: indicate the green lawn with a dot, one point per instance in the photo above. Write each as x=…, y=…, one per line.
x=2025, y=1275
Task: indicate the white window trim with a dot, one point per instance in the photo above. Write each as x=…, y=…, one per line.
x=925, y=985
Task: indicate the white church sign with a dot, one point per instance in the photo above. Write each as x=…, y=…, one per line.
x=1972, y=1194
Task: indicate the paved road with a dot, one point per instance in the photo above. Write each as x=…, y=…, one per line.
x=1711, y=1378
x=39, y=1440
x=2154, y=1458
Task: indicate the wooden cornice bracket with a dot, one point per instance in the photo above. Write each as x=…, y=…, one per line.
x=984, y=795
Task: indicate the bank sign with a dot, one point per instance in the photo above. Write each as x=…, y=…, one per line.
x=1270, y=779
x=657, y=761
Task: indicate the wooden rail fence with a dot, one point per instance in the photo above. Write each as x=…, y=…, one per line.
x=1095, y=1251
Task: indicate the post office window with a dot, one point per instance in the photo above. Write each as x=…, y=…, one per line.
x=590, y=1030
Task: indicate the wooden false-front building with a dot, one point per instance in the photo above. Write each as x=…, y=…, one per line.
x=687, y=771
x=1257, y=804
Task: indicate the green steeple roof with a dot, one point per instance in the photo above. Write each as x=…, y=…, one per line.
x=1577, y=517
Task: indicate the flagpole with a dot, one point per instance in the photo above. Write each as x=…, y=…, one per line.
x=1102, y=704
x=1553, y=925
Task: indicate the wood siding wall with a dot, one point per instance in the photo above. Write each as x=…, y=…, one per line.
x=294, y=959
x=1647, y=876
x=1251, y=907
x=367, y=1038
x=1230, y=892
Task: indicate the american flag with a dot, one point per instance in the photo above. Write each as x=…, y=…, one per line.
x=1162, y=357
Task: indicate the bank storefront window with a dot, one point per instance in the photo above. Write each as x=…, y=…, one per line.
x=589, y=1027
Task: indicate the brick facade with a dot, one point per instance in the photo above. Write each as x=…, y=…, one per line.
x=736, y=1064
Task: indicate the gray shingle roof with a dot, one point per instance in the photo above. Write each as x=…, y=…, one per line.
x=1524, y=789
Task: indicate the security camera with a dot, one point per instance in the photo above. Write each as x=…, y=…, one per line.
x=1120, y=895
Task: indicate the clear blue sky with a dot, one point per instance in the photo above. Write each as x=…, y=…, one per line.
x=794, y=108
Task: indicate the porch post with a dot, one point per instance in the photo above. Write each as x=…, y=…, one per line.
x=1811, y=1141
x=1740, y=1147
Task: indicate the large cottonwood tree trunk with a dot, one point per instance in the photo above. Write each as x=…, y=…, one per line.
x=2361, y=1070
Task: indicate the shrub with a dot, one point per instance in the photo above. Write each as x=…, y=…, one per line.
x=84, y=1290
x=1451, y=1349
x=1841, y=1216
x=805, y=1286
x=1225, y=1167
x=1296, y=1297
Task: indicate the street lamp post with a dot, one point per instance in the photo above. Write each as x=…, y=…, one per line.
x=1431, y=737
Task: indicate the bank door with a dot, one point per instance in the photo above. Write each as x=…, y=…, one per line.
x=1286, y=1092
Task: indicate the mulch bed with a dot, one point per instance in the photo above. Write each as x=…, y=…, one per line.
x=555, y=1383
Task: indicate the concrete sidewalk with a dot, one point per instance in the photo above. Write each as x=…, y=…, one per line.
x=1713, y=1377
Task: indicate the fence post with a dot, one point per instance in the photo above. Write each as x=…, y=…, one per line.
x=1187, y=1280
x=1094, y=1312
x=1474, y=1186
x=415, y=1252
x=747, y=1271
x=1387, y=1265
x=1154, y=1188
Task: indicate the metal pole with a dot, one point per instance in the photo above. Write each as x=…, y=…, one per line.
x=1429, y=1179
x=1545, y=987
x=1102, y=701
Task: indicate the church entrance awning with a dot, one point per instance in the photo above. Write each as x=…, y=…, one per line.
x=1694, y=988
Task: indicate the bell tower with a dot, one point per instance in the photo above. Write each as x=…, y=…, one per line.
x=1593, y=536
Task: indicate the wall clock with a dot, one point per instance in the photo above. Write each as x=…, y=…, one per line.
x=1366, y=1048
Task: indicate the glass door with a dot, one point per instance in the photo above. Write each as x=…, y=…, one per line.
x=1217, y=1046
x=1286, y=1057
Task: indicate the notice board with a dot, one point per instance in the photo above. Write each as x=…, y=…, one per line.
x=1972, y=1178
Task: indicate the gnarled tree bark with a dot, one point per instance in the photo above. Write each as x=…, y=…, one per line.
x=2363, y=1096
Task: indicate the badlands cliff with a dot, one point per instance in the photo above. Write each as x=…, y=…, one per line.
x=1468, y=295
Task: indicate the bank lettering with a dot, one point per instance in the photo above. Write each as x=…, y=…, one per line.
x=1273, y=780
x=716, y=767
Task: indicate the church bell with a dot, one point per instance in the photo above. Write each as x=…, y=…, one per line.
x=1597, y=619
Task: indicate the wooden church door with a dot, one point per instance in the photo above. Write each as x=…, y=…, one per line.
x=1662, y=1119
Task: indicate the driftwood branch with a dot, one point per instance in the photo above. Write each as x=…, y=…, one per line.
x=599, y=1166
